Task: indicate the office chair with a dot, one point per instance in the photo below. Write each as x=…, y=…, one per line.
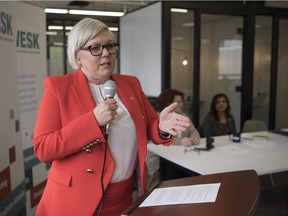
x=254, y=126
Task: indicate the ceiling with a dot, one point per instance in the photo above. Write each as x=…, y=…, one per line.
x=116, y=5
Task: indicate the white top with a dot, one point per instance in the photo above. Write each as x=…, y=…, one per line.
x=122, y=137
x=265, y=156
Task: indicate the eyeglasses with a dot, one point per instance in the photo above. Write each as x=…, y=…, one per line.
x=97, y=50
x=191, y=148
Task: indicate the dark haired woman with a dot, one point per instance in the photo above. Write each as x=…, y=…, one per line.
x=169, y=96
x=219, y=121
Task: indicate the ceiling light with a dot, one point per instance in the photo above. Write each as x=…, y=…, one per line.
x=113, y=28
x=84, y=12
x=96, y=13
x=50, y=27
x=57, y=11
x=55, y=27
x=51, y=33
x=179, y=10
x=185, y=62
x=69, y=28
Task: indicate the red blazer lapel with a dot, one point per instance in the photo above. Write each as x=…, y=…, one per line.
x=82, y=92
x=128, y=97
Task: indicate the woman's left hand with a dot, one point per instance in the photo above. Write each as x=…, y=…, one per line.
x=170, y=122
x=188, y=141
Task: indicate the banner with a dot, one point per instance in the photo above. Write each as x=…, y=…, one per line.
x=23, y=69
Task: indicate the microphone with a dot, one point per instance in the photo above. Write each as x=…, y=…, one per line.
x=109, y=89
x=109, y=92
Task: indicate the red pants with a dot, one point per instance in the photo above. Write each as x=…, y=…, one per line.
x=117, y=197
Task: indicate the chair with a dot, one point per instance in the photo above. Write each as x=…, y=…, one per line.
x=153, y=168
x=254, y=126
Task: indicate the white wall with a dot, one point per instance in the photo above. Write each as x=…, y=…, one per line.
x=140, y=47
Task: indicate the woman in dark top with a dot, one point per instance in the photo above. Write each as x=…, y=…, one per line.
x=219, y=121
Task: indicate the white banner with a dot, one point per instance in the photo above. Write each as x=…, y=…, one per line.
x=23, y=69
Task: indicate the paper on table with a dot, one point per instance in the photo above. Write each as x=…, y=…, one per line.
x=201, y=193
x=234, y=149
x=261, y=143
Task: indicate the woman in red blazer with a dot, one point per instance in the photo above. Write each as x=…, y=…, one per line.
x=91, y=173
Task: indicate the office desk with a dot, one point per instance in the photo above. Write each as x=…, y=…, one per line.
x=228, y=156
x=237, y=196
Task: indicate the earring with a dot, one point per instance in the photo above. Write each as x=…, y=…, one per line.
x=79, y=63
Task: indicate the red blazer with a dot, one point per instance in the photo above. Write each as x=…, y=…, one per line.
x=66, y=126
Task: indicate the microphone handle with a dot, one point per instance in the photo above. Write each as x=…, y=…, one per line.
x=107, y=126
x=107, y=129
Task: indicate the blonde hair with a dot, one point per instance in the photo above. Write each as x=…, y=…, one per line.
x=82, y=32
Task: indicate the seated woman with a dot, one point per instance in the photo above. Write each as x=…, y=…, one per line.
x=219, y=121
x=189, y=137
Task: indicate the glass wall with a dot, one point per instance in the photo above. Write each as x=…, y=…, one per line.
x=55, y=47
x=55, y=62
x=221, y=61
x=282, y=77
x=262, y=68
x=182, y=39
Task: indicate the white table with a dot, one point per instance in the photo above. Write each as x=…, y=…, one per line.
x=264, y=156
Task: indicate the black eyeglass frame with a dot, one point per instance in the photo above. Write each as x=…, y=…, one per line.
x=89, y=48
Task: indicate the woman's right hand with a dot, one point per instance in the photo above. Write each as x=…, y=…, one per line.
x=105, y=112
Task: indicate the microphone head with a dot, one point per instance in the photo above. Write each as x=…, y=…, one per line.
x=109, y=89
